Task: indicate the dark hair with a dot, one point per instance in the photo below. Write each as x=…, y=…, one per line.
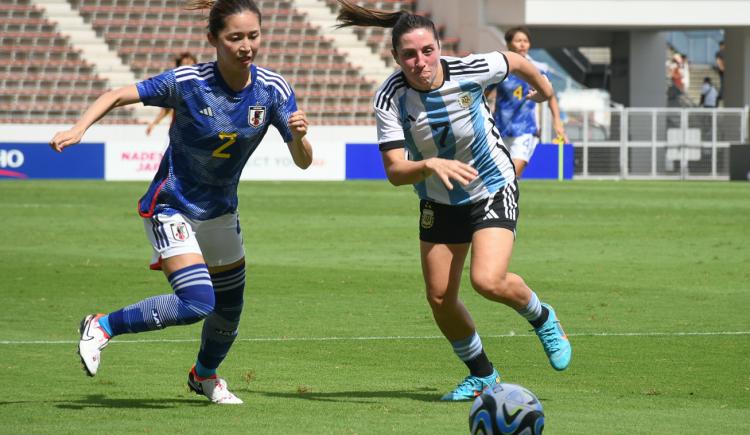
x=707, y=80
x=511, y=33
x=401, y=21
x=221, y=9
x=182, y=56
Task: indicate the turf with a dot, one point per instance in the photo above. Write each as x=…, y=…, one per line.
x=651, y=280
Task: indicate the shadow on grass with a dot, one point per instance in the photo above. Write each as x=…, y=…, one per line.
x=101, y=401
x=421, y=394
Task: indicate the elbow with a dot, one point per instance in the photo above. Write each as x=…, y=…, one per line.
x=393, y=178
x=304, y=164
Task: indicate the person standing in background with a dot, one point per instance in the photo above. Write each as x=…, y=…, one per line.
x=720, y=67
x=183, y=59
x=515, y=115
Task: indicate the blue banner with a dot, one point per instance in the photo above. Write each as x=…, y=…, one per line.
x=544, y=162
x=363, y=162
x=21, y=160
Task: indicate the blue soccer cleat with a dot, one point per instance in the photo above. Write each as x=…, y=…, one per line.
x=472, y=387
x=555, y=342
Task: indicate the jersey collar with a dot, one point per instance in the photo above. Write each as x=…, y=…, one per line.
x=231, y=92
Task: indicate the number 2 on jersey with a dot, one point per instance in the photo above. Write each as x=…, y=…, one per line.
x=230, y=139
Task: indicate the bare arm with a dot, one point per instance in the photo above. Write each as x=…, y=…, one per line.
x=163, y=113
x=106, y=102
x=299, y=147
x=401, y=171
x=557, y=123
x=521, y=67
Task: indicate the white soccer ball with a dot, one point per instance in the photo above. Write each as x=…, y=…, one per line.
x=506, y=409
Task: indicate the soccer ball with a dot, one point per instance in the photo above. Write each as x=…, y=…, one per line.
x=506, y=409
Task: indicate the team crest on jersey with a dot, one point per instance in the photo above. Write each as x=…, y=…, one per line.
x=465, y=99
x=179, y=231
x=428, y=218
x=256, y=115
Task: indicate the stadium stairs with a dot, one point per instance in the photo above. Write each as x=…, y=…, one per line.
x=60, y=55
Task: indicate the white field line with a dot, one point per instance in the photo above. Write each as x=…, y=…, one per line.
x=393, y=337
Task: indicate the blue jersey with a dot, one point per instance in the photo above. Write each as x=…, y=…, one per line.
x=451, y=122
x=214, y=133
x=514, y=114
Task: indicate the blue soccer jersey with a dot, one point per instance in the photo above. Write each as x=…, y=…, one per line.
x=514, y=114
x=451, y=122
x=214, y=133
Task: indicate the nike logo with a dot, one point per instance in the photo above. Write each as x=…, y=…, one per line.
x=86, y=336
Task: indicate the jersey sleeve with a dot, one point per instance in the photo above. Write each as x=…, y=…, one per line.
x=159, y=90
x=285, y=106
x=498, y=68
x=390, y=130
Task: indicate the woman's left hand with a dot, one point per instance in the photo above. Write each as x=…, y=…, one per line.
x=560, y=131
x=535, y=96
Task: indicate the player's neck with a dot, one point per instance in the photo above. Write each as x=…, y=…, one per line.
x=236, y=78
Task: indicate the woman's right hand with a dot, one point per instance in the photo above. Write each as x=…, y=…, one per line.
x=65, y=139
x=448, y=170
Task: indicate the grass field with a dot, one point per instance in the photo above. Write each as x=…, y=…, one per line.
x=651, y=280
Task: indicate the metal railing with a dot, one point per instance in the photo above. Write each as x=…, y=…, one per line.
x=654, y=143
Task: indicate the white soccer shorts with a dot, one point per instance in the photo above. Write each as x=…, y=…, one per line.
x=219, y=240
x=521, y=147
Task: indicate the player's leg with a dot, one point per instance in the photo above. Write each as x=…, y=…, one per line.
x=521, y=149
x=443, y=255
x=221, y=242
x=492, y=247
x=192, y=300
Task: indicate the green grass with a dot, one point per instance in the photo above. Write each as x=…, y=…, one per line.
x=636, y=270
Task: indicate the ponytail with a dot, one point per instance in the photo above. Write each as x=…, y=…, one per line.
x=354, y=15
x=401, y=21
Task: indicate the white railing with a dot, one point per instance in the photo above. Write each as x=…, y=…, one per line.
x=654, y=143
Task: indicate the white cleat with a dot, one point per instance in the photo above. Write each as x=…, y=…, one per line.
x=214, y=387
x=93, y=340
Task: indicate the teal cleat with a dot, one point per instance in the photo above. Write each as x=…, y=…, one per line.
x=472, y=387
x=555, y=342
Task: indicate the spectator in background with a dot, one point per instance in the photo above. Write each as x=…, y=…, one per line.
x=675, y=72
x=720, y=69
x=685, y=73
x=182, y=59
x=676, y=86
x=709, y=94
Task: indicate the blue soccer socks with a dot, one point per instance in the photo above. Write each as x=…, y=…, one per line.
x=220, y=327
x=192, y=301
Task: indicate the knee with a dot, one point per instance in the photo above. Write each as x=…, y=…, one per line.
x=229, y=301
x=490, y=287
x=198, y=303
x=439, y=301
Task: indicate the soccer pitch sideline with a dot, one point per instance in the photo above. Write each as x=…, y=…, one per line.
x=651, y=281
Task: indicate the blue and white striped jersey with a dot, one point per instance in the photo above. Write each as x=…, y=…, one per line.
x=451, y=122
x=214, y=133
x=514, y=114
